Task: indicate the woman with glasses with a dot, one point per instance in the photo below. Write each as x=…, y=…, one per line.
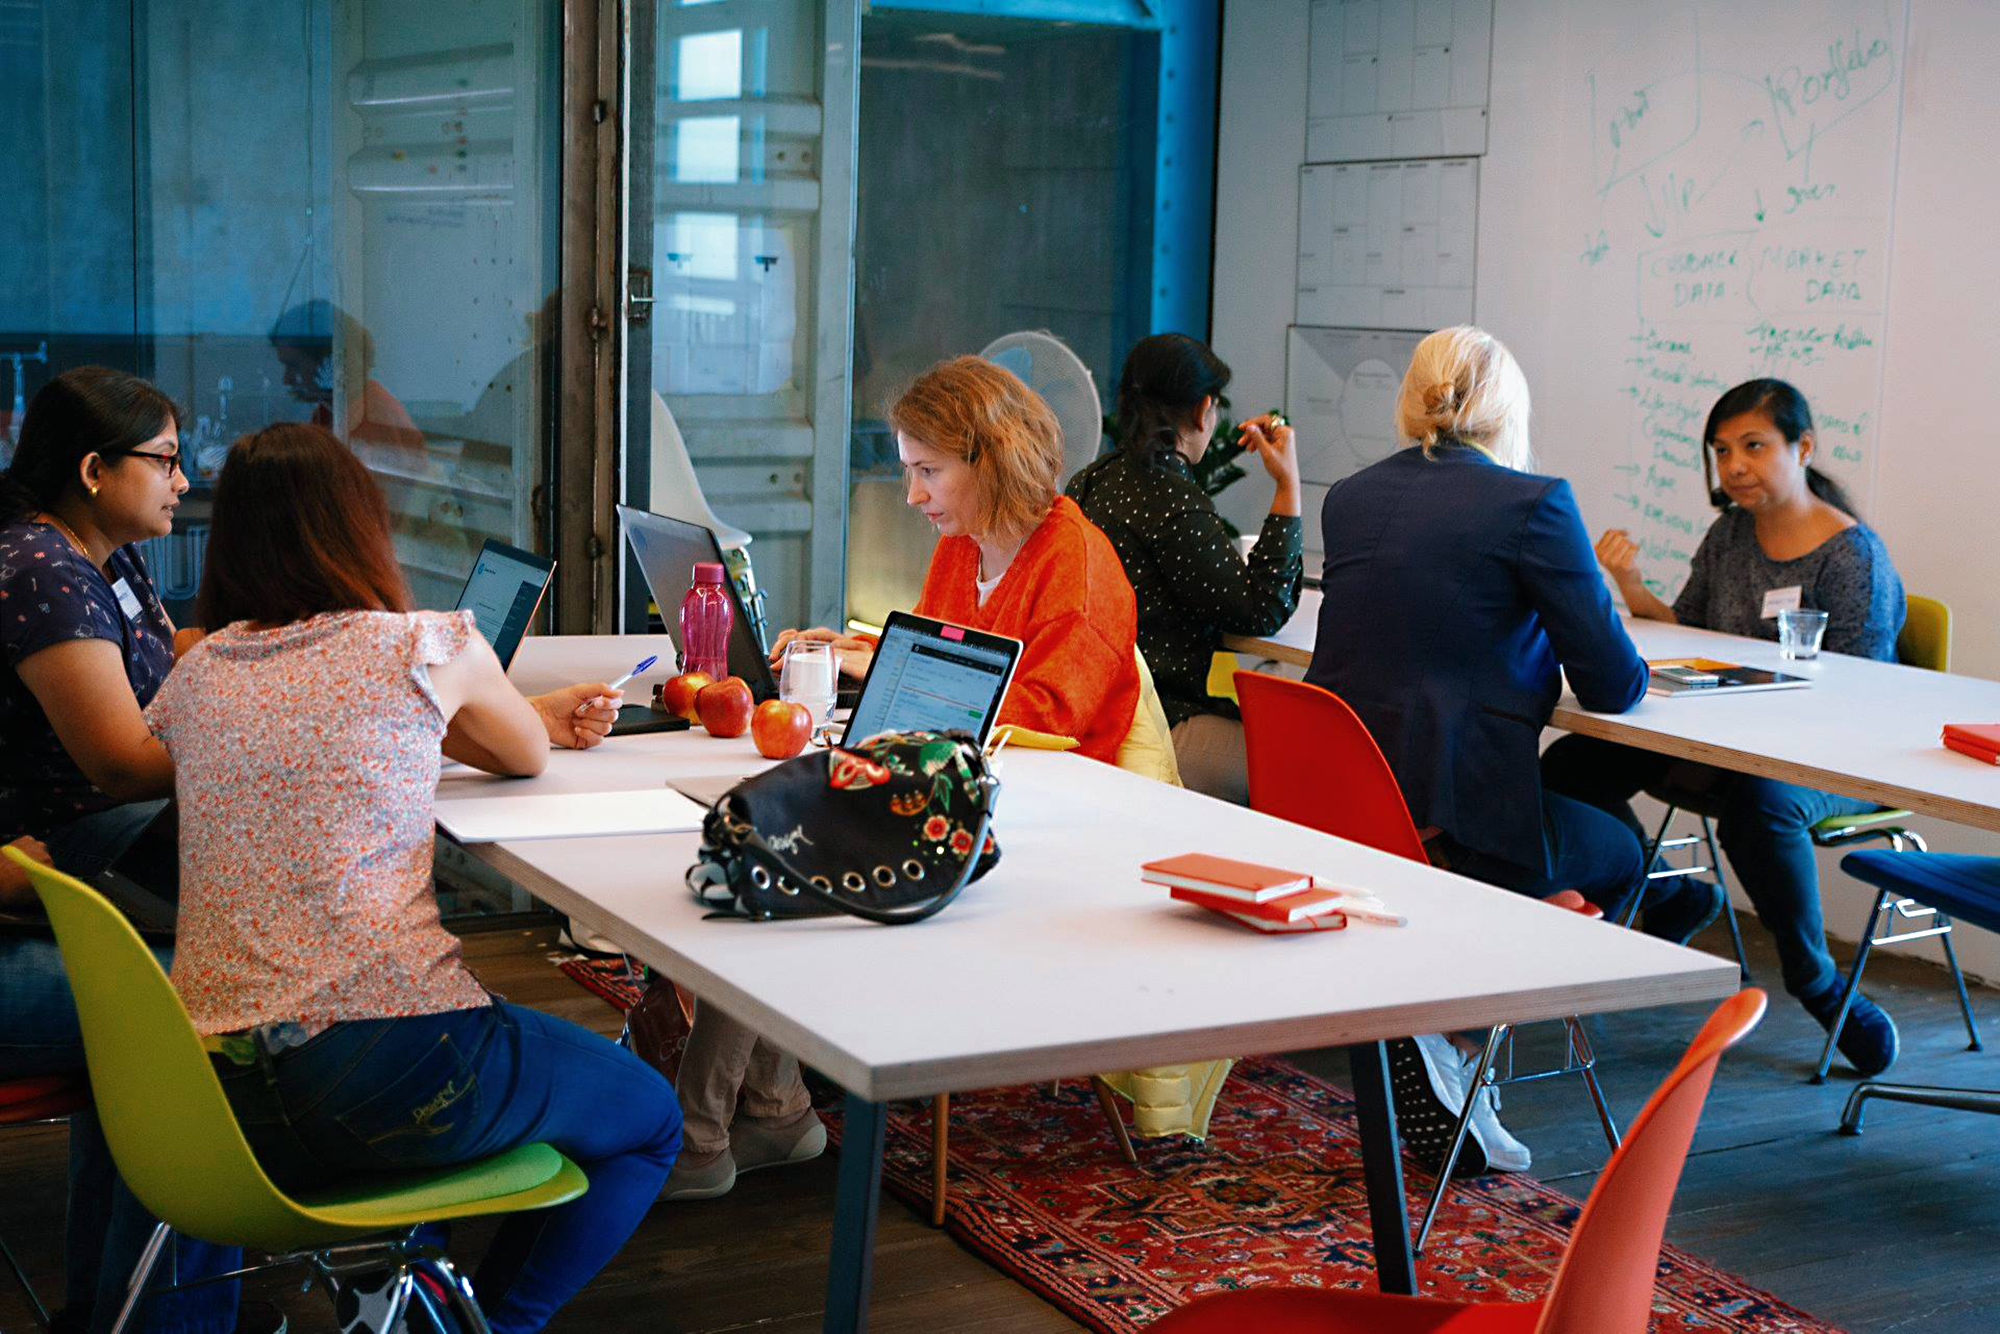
x=84, y=645
x=84, y=637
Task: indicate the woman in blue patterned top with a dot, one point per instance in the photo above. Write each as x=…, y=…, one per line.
x=1787, y=537
x=84, y=644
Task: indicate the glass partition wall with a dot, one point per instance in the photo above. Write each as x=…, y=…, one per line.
x=340, y=211
x=1007, y=183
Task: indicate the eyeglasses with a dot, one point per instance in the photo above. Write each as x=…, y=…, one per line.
x=169, y=463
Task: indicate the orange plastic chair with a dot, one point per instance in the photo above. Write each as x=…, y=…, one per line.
x=1605, y=1283
x=38, y=1100
x=1312, y=761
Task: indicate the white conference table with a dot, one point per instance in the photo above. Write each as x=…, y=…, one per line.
x=1060, y=962
x=1864, y=729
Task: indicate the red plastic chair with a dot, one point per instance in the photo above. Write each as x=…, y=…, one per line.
x=38, y=1100
x=1313, y=762
x=1605, y=1283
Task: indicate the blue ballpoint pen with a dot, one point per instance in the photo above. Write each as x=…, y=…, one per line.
x=619, y=683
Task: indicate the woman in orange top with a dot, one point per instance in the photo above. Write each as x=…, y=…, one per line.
x=983, y=454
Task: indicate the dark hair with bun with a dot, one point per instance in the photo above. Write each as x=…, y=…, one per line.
x=1166, y=376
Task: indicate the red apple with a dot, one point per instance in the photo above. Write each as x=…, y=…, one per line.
x=724, y=706
x=677, y=693
x=780, y=728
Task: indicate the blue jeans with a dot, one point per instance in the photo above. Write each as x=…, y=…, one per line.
x=106, y=1227
x=1764, y=826
x=1588, y=852
x=397, y=1095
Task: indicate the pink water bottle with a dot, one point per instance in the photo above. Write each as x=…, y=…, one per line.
x=705, y=620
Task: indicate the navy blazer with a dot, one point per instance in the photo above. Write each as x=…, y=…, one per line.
x=1453, y=589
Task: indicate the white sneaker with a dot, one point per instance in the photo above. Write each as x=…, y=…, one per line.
x=1504, y=1153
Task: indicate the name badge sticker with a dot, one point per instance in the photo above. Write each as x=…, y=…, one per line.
x=128, y=601
x=1781, y=599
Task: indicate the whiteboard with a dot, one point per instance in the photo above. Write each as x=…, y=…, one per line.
x=1712, y=203
x=1398, y=78
x=1388, y=245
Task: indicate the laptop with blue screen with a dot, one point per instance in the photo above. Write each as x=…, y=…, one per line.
x=933, y=676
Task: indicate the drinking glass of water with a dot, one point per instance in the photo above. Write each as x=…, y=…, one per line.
x=1799, y=633
x=811, y=676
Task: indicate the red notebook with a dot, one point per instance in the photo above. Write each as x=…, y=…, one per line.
x=1333, y=921
x=1979, y=740
x=1246, y=882
x=1299, y=907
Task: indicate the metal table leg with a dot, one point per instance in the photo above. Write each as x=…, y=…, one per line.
x=1382, y=1167
x=851, y=1262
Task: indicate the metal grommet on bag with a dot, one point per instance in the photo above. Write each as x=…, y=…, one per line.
x=852, y=882
x=821, y=883
x=885, y=876
x=913, y=869
x=760, y=877
x=786, y=887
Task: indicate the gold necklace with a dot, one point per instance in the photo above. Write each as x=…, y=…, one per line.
x=69, y=532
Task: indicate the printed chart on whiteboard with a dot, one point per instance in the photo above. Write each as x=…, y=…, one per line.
x=1340, y=393
x=1397, y=80
x=1388, y=245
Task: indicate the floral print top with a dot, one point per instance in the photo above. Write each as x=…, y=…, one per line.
x=306, y=764
x=50, y=593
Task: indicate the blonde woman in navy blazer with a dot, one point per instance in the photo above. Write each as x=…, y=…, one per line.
x=1458, y=589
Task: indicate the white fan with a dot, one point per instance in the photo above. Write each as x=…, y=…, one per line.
x=1049, y=368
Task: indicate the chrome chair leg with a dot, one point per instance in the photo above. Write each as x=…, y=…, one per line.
x=1853, y=987
x=1707, y=840
x=141, y=1272
x=1476, y=1086
x=1653, y=847
x=1963, y=1100
x=458, y=1289
x=1728, y=910
x=1585, y=1059
x=27, y=1288
x=1958, y=980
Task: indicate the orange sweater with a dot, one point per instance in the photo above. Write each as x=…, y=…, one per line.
x=1065, y=596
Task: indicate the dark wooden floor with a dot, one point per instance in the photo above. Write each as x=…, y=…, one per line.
x=1895, y=1230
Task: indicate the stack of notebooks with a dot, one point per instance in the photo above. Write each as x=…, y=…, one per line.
x=1266, y=898
x=1979, y=740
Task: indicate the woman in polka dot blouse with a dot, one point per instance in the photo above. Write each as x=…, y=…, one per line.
x=1192, y=584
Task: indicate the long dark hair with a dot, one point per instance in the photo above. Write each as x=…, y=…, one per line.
x=299, y=529
x=1166, y=377
x=83, y=411
x=1786, y=407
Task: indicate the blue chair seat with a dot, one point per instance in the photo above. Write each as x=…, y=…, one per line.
x=1967, y=888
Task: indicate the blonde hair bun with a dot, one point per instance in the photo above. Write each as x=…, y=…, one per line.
x=1441, y=399
x=1463, y=385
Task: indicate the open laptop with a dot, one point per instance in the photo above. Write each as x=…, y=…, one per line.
x=668, y=550
x=502, y=592
x=933, y=676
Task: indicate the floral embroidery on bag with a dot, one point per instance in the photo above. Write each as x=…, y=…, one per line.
x=848, y=771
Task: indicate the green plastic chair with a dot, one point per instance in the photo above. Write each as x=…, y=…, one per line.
x=178, y=1147
x=1925, y=642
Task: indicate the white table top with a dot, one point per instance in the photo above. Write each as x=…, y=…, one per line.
x=1060, y=961
x=1864, y=729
